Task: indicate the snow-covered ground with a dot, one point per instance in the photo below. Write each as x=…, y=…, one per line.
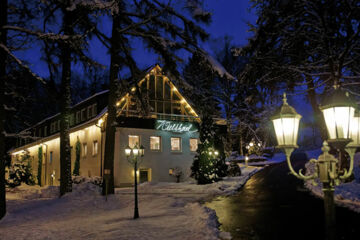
x=346, y=194
x=167, y=211
x=277, y=158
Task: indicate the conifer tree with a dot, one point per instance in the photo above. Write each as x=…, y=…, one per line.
x=208, y=168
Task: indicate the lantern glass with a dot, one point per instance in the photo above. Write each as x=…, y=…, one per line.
x=286, y=129
x=127, y=151
x=135, y=151
x=354, y=131
x=338, y=121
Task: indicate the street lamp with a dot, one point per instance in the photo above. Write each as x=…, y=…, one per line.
x=338, y=110
x=132, y=155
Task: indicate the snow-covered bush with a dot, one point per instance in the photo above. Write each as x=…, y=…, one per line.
x=234, y=170
x=94, y=180
x=21, y=172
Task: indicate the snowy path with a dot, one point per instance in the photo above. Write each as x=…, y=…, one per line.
x=167, y=211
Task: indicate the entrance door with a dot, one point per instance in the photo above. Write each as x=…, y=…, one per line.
x=144, y=175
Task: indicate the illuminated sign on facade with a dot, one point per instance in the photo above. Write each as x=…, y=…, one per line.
x=178, y=127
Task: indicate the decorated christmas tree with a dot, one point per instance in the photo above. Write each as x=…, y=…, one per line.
x=209, y=163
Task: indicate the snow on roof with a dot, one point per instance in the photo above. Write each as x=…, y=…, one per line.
x=57, y=114
x=216, y=66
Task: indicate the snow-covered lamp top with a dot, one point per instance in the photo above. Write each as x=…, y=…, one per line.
x=286, y=124
x=355, y=130
x=338, y=110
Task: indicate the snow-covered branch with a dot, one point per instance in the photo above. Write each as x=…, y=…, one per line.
x=21, y=64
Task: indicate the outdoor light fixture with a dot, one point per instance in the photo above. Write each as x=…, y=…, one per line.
x=354, y=130
x=338, y=110
x=127, y=151
x=134, y=160
x=286, y=124
x=343, y=128
x=135, y=151
x=216, y=153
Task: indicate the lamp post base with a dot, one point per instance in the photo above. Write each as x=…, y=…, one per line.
x=329, y=207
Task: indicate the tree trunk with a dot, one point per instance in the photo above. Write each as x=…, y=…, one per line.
x=3, y=40
x=111, y=118
x=65, y=154
x=318, y=116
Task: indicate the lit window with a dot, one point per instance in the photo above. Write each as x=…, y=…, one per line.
x=175, y=144
x=193, y=144
x=95, y=148
x=155, y=143
x=134, y=140
x=84, y=150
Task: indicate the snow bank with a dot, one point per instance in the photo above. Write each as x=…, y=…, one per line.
x=346, y=194
x=167, y=211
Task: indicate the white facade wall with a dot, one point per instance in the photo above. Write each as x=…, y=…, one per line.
x=157, y=162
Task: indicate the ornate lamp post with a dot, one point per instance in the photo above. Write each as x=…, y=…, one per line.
x=341, y=124
x=132, y=155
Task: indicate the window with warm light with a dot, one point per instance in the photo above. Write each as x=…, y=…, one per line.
x=95, y=148
x=175, y=144
x=193, y=144
x=155, y=143
x=84, y=150
x=134, y=140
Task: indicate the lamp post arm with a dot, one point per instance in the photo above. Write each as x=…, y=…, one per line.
x=351, y=151
x=299, y=175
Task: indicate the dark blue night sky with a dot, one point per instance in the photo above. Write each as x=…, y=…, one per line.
x=230, y=18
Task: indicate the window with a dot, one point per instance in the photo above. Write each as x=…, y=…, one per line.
x=77, y=120
x=176, y=144
x=71, y=119
x=58, y=125
x=83, y=114
x=84, y=150
x=95, y=148
x=155, y=143
x=193, y=144
x=94, y=109
x=51, y=157
x=40, y=132
x=45, y=131
x=134, y=140
x=52, y=127
x=89, y=112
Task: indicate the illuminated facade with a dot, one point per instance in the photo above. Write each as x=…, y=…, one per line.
x=168, y=131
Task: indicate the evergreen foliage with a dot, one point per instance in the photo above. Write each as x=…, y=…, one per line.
x=21, y=172
x=201, y=77
x=76, y=171
x=207, y=168
x=39, y=166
